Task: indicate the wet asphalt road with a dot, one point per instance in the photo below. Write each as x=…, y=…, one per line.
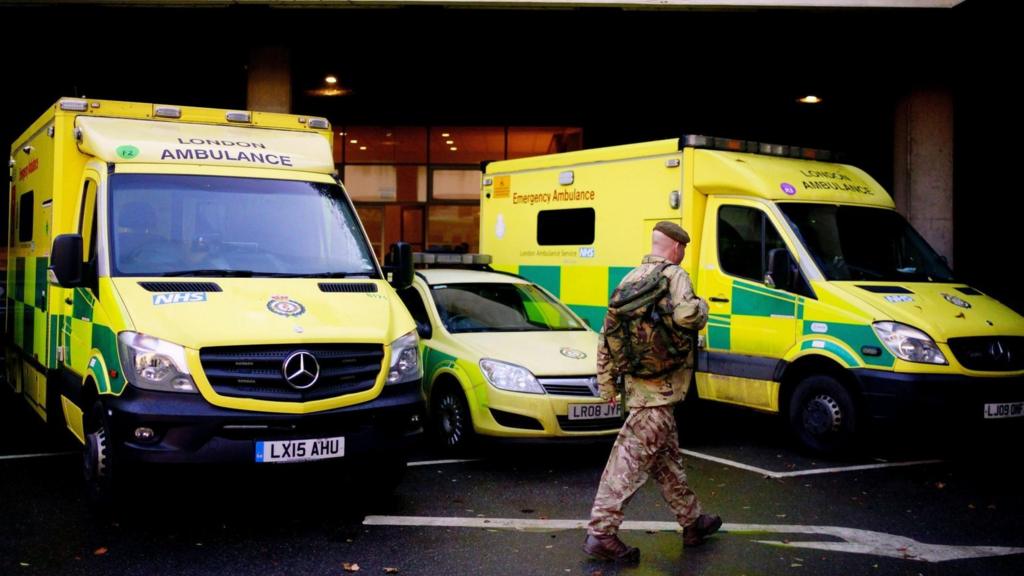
x=517, y=509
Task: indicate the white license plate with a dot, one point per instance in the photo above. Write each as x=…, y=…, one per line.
x=594, y=411
x=1004, y=410
x=300, y=450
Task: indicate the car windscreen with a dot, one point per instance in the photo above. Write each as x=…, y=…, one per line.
x=186, y=225
x=864, y=243
x=500, y=307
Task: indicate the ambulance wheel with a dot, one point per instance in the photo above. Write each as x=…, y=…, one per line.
x=822, y=415
x=98, y=463
x=452, y=422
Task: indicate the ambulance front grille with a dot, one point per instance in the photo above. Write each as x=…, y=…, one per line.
x=180, y=286
x=989, y=353
x=257, y=372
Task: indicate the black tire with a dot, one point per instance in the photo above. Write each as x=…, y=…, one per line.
x=452, y=421
x=822, y=415
x=98, y=461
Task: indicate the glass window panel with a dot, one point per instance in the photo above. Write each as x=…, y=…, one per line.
x=373, y=220
x=739, y=242
x=570, y=227
x=526, y=141
x=454, y=226
x=457, y=184
x=377, y=183
x=385, y=145
x=25, y=209
x=466, y=144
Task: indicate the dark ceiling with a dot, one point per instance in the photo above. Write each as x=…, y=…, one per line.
x=624, y=76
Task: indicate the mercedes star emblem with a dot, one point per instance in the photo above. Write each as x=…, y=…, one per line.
x=300, y=369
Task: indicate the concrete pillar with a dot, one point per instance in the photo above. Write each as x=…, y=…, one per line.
x=923, y=165
x=270, y=79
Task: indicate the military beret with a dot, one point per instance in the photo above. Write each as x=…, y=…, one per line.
x=673, y=231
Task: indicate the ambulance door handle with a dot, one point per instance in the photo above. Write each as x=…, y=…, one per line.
x=69, y=301
x=716, y=299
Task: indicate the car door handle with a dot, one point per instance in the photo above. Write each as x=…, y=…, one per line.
x=69, y=301
x=716, y=299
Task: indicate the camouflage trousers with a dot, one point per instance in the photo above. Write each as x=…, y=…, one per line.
x=648, y=444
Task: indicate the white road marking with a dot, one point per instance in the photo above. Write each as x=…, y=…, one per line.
x=440, y=462
x=42, y=455
x=855, y=541
x=809, y=471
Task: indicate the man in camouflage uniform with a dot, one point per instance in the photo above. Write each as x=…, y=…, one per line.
x=648, y=443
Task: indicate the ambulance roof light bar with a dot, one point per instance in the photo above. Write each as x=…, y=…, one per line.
x=450, y=259
x=735, y=145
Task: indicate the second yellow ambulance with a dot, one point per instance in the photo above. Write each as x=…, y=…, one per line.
x=827, y=307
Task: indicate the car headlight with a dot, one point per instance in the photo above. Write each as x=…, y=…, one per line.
x=510, y=377
x=405, y=359
x=908, y=343
x=154, y=364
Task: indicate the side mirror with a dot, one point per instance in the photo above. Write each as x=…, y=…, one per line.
x=400, y=265
x=66, y=267
x=780, y=270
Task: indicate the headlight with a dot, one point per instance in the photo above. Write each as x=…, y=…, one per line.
x=405, y=359
x=154, y=364
x=907, y=343
x=510, y=377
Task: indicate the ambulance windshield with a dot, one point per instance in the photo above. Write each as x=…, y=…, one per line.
x=862, y=243
x=185, y=225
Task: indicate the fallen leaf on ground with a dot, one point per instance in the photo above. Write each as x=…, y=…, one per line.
x=100, y=551
x=350, y=567
x=390, y=570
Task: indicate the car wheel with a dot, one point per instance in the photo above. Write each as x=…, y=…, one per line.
x=822, y=415
x=452, y=422
x=98, y=461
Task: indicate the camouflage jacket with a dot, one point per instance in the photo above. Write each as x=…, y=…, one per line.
x=689, y=312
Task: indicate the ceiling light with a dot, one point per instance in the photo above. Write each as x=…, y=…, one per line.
x=445, y=135
x=362, y=147
x=449, y=142
x=331, y=80
x=810, y=99
x=353, y=141
x=454, y=148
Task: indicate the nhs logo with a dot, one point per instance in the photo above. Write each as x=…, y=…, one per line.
x=178, y=298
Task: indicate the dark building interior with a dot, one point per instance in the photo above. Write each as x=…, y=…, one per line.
x=622, y=75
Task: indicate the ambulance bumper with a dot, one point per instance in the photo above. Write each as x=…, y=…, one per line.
x=187, y=429
x=955, y=399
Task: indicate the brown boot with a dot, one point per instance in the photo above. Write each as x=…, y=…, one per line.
x=609, y=547
x=704, y=526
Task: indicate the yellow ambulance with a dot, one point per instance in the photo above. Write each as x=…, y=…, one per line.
x=193, y=285
x=826, y=307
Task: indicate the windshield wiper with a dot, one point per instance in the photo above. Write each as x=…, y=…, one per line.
x=337, y=274
x=211, y=272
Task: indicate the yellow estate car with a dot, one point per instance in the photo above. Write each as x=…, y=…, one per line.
x=502, y=357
